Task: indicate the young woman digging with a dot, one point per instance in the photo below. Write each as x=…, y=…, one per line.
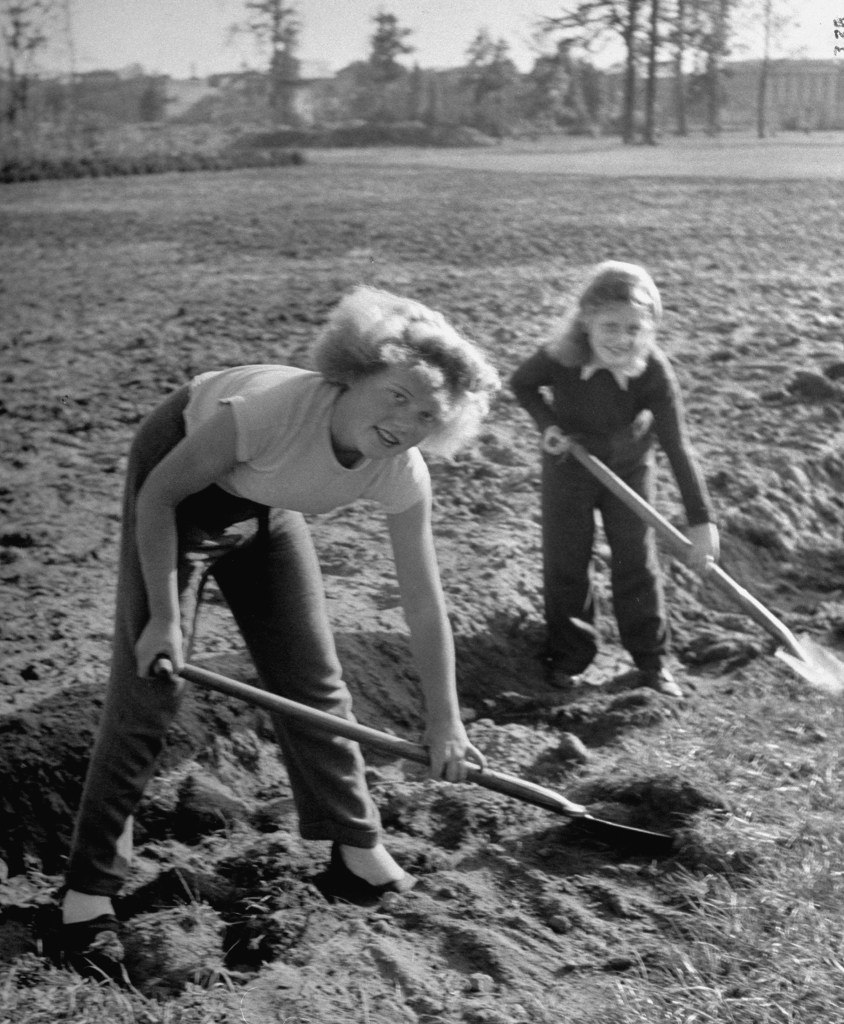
x=236, y=457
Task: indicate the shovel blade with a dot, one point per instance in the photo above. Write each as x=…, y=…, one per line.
x=817, y=666
x=634, y=842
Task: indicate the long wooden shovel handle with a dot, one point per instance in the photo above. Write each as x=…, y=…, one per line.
x=509, y=785
x=755, y=609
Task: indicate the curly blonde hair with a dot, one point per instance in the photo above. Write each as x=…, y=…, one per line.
x=371, y=330
x=610, y=281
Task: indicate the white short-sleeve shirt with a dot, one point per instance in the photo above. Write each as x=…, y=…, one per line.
x=285, y=458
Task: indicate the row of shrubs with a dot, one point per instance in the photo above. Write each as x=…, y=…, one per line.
x=115, y=165
x=398, y=133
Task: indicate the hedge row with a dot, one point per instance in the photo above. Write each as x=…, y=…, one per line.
x=401, y=133
x=104, y=166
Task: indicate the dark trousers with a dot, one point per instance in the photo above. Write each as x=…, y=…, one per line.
x=570, y=496
x=265, y=565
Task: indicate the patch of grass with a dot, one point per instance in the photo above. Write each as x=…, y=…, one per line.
x=763, y=887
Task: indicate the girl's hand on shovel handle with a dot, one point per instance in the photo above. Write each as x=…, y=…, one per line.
x=704, y=545
x=159, y=639
x=555, y=442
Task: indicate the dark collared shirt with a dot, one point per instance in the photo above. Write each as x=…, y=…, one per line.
x=608, y=420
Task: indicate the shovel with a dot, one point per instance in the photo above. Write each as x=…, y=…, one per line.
x=804, y=655
x=635, y=841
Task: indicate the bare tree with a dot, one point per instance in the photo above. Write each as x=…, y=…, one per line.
x=680, y=38
x=762, y=90
x=71, y=102
x=630, y=28
x=713, y=20
x=699, y=31
x=590, y=23
x=276, y=28
x=775, y=17
x=650, y=91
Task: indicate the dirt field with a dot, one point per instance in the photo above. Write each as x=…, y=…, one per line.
x=116, y=291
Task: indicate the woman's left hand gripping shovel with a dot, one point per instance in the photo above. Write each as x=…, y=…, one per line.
x=635, y=841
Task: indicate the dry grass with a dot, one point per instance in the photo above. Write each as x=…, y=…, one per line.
x=764, y=939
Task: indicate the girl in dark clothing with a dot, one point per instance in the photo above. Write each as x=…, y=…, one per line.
x=601, y=380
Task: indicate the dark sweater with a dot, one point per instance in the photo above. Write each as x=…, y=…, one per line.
x=603, y=417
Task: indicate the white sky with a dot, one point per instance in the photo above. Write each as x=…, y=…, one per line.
x=185, y=37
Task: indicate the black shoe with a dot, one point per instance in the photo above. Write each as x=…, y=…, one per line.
x=91, y=948
x=338, y=882
x=556, y=675
x=661, y=680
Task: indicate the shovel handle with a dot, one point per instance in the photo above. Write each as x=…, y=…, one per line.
x=643, y=509
x=681, y=544
x=509, y=785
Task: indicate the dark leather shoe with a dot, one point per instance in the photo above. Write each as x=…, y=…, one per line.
x=338, y=882
x=91, y=948
x=556, y=675
x=661, y=680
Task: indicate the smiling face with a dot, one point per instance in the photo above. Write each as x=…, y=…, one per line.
x=619, y=333
x=386, y=413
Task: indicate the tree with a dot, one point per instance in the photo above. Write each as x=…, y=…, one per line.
x=590, y=23
x=153, y=101
x=712, y=37
x=565, y=90
x=548, y=86
x=628, y=132
x=489, y=72
x=699, y=32
x=388, y=43
x=24, y=25
x=489, y=68
x=650, y=93
x=775, y=18
x=679, y=38
x=276, y=28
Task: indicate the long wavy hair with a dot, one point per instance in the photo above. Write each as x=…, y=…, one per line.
x=371, y=330
x=610, y=281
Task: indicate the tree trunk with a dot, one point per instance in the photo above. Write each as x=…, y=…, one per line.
x=629, y=127
x=761, y=100
x=71, y=117
x=762, y=88
x=713, y=75
x=650, y=96
x=679, y=70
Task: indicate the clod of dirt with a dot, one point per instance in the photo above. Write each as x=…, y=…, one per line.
x=479, y=982
x=168, y=949
x=207, y=805
x=813, y=386
x=571, y=748
x=714, y=845
x=632, y=709
x=671, y=797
